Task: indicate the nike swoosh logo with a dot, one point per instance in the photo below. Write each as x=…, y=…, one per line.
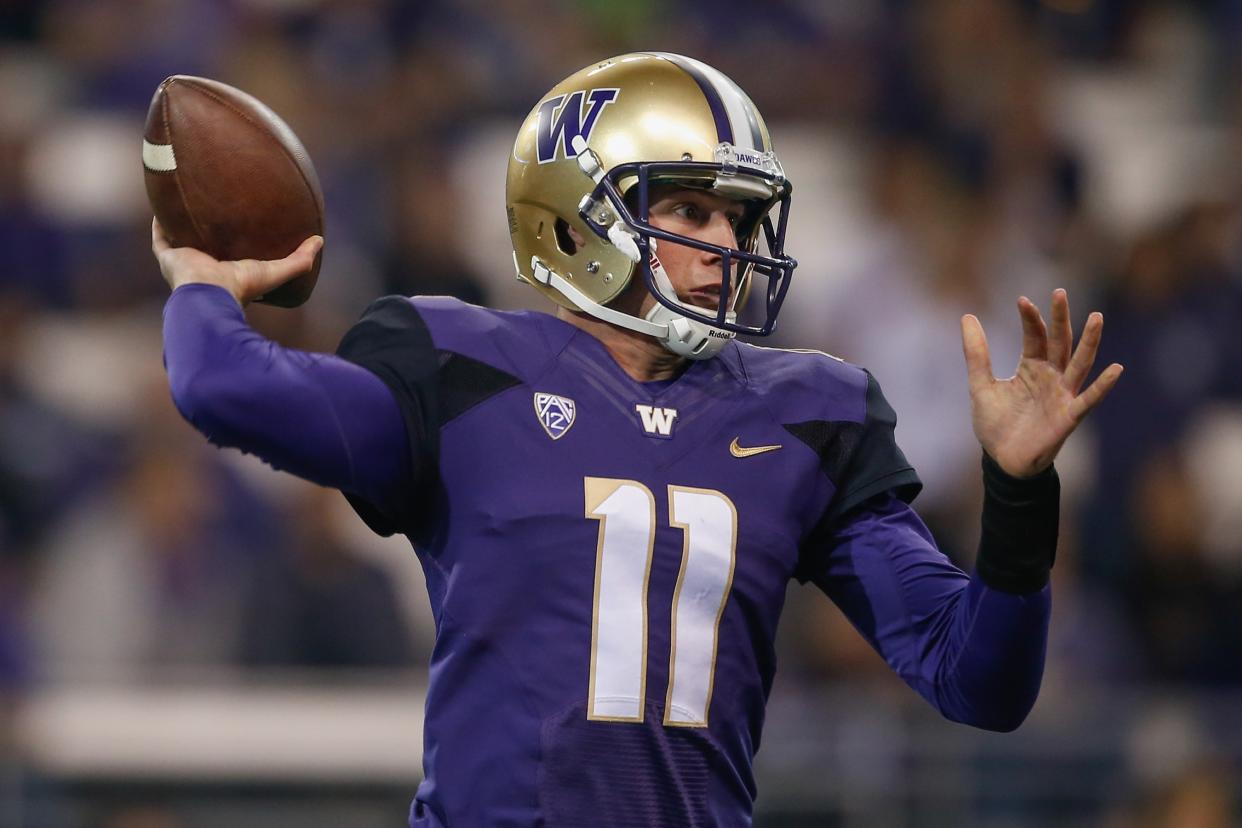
x=738, y=451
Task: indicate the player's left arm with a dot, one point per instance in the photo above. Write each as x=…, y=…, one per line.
x=972, y=646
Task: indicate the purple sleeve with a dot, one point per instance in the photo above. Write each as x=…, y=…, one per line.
x=313, y=415
x=974, y=652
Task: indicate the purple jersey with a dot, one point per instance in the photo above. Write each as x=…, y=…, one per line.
x=607, y=559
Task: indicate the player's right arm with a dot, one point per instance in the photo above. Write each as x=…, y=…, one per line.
x=314, y=415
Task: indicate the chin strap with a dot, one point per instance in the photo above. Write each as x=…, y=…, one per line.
x=684, y=337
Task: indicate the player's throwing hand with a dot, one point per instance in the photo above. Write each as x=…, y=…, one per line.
x=246, y=280
x=1023, y=421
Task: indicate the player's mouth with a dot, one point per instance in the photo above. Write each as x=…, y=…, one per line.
x=707, y=297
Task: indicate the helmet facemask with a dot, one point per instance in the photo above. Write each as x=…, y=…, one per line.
x=618, y=209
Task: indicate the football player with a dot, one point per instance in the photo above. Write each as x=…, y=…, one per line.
x=609, y=502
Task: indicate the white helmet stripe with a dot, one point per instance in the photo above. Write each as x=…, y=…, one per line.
x=738, y=107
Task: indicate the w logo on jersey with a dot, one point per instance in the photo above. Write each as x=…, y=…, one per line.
x=657, y=422
x=558, y=128
x=556, y=414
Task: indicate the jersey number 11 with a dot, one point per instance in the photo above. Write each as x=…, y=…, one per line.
x=626, y=513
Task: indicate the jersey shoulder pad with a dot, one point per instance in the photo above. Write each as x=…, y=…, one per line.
x=839, y=412
x=442, y=356
x=801, y=385
x=513, y=341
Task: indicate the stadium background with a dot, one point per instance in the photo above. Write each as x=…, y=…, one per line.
x=187, y=639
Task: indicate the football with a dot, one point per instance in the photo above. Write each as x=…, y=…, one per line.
x=224, y=174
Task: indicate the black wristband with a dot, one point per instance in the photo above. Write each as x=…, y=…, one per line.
x=1019, y=540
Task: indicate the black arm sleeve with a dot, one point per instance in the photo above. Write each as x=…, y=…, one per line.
x=1019, y=540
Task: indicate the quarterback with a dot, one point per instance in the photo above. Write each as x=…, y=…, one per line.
x=609, y=502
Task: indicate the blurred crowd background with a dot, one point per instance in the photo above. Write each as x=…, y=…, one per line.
x=947, y=155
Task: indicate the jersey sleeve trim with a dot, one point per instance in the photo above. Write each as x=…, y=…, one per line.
x=393, y=342
x=465, y=382
x=861, y=459
x=863, y=463
x=433, y=386
x=904, y=484
x=874, y=463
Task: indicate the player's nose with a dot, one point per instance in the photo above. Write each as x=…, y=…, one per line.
x=718, y=231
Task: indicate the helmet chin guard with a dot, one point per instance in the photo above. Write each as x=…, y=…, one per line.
x=687, y=337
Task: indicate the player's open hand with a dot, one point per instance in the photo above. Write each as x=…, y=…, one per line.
x=247, y=280
x=1023, y=421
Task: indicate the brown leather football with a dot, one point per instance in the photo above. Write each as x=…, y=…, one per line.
x=227, y=176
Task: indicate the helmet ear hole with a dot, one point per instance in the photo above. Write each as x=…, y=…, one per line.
x=564, y=237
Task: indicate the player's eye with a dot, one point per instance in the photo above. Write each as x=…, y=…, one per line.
x=688, y=211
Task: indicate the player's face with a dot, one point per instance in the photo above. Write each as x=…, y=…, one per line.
x=701, y=215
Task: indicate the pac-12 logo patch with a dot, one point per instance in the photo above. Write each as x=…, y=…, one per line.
x=563, y=118
x=556, y=414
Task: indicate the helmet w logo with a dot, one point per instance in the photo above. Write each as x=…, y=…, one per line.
x=561, y=119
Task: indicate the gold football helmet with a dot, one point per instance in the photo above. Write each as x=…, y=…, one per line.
x=586, y=157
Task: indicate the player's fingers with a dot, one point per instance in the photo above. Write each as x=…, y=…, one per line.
x=304, y=257
x=159, y=240
x=1084, y=355
x=259, y=277
x=975, y=349
x=1034, y=332
x=1095, y=392
x=299, y=261
x=1060, y=331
